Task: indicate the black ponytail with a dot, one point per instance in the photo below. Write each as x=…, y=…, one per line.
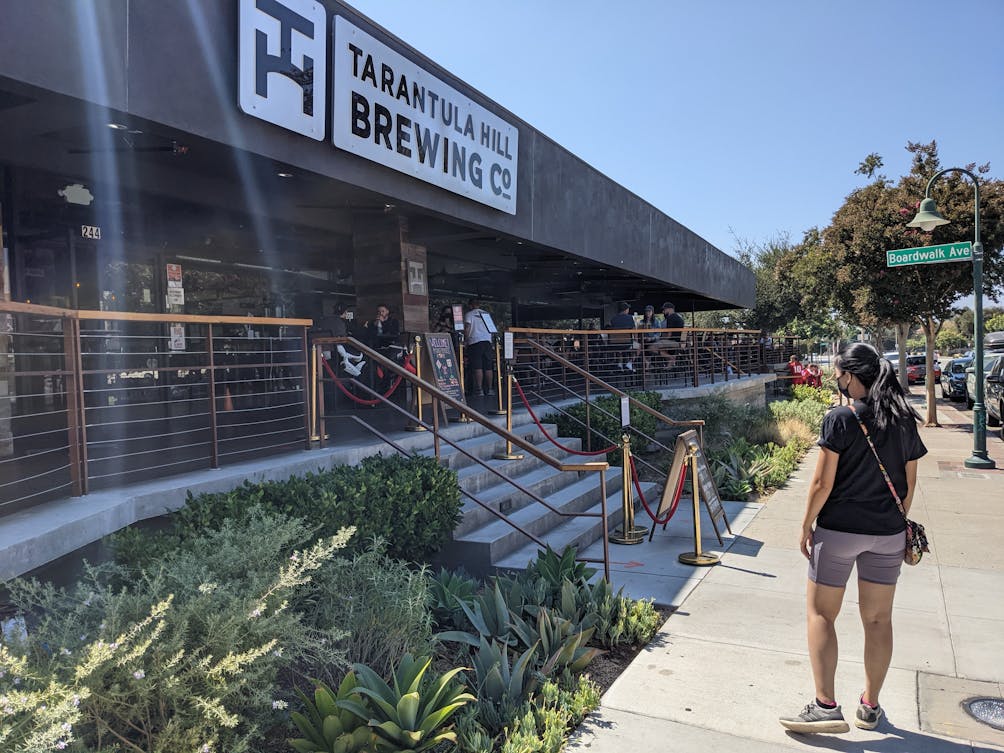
x=885, y=394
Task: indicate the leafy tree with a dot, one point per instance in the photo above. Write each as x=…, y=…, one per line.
x=994, y=324
x=777, y=302
x=849, y=261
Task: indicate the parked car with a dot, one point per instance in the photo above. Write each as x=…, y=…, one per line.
x=994, y=342
x=993, y=393
x=953, y=378
x=991, y=361
x=916, y=369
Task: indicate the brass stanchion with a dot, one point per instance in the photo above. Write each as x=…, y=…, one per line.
x=697, y=557
x=508, y=454
x=464, y=418
x=498, y=378
x=315, y=435
x=628, y=533
x=418, y=390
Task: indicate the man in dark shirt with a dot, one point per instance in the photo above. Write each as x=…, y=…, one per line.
x=622, y=344
x=669, y=345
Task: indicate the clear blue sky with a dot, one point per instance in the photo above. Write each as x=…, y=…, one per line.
x=742, y=118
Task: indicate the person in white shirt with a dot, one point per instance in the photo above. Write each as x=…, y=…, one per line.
x=478, y=340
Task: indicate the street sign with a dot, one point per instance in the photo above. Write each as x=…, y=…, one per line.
x=929, y=254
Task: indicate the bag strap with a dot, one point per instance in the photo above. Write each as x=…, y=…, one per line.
x=885, y=474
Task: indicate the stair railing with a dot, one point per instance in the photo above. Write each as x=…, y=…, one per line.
x=438, y=398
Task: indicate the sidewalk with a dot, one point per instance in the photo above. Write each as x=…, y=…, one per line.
x=733, y=658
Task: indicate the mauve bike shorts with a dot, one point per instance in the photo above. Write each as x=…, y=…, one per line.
x=879, y=558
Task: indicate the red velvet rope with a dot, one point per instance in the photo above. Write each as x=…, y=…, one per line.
x=554, y=441
x=676, y=496
x=356, y=398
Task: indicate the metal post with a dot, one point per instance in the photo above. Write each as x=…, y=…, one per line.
x=500, y=411
x=697, y=557
x=980, y=458
x=606, y=525
x=627, y=533
x=214, y=451
x=464, y=418
x=508, y=454
x=72, y=408
x=318, y=390
x=304, y=349
x=435, y=427
x=418, y=390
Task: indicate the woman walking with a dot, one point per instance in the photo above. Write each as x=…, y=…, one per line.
x=857, y=520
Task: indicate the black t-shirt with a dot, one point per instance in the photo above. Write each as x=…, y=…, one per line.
x=675, y=321
x=622, y=321
x=860, y=501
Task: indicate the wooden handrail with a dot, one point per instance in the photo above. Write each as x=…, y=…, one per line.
x=463, y=408
x=15, y=307
x=635, y=331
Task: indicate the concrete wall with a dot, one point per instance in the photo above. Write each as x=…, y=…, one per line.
x=175, y=63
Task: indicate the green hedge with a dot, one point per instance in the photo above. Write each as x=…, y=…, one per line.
x=606, y=429
x=412, y=503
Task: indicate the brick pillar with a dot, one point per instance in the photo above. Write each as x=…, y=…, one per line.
x=390, y=270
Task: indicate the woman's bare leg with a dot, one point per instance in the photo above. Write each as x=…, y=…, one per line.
x=822, y=607
x=875, y=605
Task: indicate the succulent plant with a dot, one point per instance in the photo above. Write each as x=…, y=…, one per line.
x=325, y=727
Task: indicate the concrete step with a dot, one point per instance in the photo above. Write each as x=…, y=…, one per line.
x=484, y=445
x=504, y=497
x=577, y=532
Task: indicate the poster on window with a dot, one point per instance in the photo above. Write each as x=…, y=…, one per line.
x=177, y=337
x=174, y=276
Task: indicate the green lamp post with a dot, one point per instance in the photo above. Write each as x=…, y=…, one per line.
x=928, y=218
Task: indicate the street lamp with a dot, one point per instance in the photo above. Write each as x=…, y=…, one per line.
x=928, y=218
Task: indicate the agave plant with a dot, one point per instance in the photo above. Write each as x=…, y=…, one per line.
x=489, y=615
x=502, y=688
x=562, y=645
x=325, y=727
x=414, y=714
x=447, y=591
x=554, y=569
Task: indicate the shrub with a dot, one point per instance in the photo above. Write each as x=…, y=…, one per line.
x=819, y=395
x=724, y=420
x=215, y=630
x=412, y=503
x=809, y=412
x=376, y=606
x=604, y=418
x=547, y=718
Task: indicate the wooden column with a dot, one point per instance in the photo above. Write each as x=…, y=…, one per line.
x=390, y=270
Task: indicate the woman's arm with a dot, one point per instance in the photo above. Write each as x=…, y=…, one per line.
x=911, y=484
x=819, y=491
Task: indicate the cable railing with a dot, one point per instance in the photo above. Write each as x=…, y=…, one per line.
x=419, y=391
x=527, y=369
x=102, y=398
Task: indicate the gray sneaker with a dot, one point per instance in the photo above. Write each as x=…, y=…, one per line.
x=867, y=717
x=814, y=718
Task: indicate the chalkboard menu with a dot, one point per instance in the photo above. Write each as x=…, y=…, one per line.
x=709, y=491
x=440, y=364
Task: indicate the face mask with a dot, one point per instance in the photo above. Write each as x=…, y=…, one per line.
x=844, y=390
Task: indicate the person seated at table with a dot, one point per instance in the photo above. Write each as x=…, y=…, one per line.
x=669, y=344
x=383, y=330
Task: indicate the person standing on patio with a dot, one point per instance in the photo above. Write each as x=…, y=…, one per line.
x=852, y=516
x=478, y=340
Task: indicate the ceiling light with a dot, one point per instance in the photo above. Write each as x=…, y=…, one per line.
x=285, y=175
x=118, y=126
